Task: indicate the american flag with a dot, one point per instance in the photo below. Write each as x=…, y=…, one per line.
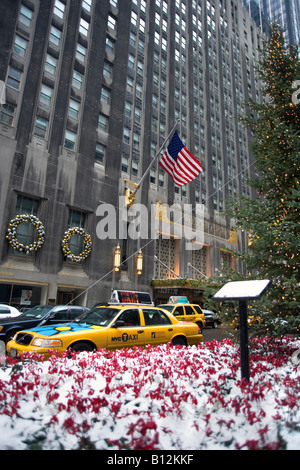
x=179, y=162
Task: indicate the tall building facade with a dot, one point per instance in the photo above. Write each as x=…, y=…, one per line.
x=90, y=91
x=286, y=12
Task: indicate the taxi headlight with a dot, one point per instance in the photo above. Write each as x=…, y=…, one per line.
x=46, y=343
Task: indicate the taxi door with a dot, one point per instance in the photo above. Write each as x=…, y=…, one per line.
x=190, y=314
x=179, y=313
x=131, y=333
x=158, y=327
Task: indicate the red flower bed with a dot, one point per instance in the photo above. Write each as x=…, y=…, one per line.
x=160, y=397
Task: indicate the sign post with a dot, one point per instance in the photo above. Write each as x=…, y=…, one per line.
x=243, y=291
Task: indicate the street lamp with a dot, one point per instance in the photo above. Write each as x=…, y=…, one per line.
x=139, y=262
x=117, y=258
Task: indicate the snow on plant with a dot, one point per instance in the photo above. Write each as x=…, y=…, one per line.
x=161, y=397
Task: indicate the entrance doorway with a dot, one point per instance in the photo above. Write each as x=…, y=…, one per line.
x=68, y=294
x=64, y=298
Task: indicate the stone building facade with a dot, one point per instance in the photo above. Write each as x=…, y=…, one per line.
x=92, y=88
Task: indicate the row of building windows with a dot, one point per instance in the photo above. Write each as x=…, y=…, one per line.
x=134, y=107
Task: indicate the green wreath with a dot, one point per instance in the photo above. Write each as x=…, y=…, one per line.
x=12, y=233
x=87, y=243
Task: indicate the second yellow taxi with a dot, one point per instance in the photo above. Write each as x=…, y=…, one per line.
x=111, y=326
x=184, y=311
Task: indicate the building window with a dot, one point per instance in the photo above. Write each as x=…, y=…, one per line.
x=81, y=53
x=7, y=114
x=139, y=91
x=137, y=115
x=76, y=219
x=46, y=94
x=128, y=107
x=152, y=176
x=26, y=232
x=140, y=67
x=134, y=168
x=133, y=18
x=20, y=46
x=25, y=16
x=132, y=39
x=131, y=61
x=126, y=135
x=105, y=95
x=87, y=4
x=55, y=35
x=130, y=84
x=109, y=44
x=84, y=27
x=107, y=69
x=70, y=140
x=102, y=122
x=100, y=153
x=50, y=64
x=59, y=9
x=14, y=78
x=111, y=22
x=161, y=180
x=142, y=25
x=124, y=164
x=136, y=140
x=77, y=79
x=40, y=127
x=73, y=109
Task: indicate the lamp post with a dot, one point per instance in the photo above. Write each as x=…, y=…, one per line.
x=139, y=262
x=117, y=258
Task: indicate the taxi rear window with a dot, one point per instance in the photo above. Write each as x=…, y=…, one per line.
x=167, y=307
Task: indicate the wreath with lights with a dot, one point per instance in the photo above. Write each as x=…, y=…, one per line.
x=87, y=244
x=12, y=233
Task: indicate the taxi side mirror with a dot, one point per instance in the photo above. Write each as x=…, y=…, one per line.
x=118, y=323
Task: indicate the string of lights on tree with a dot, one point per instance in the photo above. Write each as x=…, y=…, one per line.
x=272, y=220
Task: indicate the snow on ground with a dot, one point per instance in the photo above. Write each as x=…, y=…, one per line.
x=163, y=398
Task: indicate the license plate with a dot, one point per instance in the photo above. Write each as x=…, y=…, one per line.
x=13, y=352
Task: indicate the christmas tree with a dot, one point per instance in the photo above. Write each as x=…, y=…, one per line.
x=272, y=220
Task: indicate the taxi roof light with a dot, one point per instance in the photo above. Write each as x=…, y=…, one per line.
x=178, y=300
x=130, y=297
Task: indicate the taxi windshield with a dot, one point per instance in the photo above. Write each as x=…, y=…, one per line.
x=100, y=316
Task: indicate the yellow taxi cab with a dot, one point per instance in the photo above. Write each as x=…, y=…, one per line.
x=108, y=326
x=184, y=311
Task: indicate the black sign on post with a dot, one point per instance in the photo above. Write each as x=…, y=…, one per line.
x=243, y=291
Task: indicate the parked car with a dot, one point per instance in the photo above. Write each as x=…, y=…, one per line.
x=7, y=311
x=211, y=318
x=41, y=314
x=111, y=327
x=186, y=312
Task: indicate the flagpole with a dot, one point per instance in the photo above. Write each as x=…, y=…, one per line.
x=137, y=185
x=157, y=154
